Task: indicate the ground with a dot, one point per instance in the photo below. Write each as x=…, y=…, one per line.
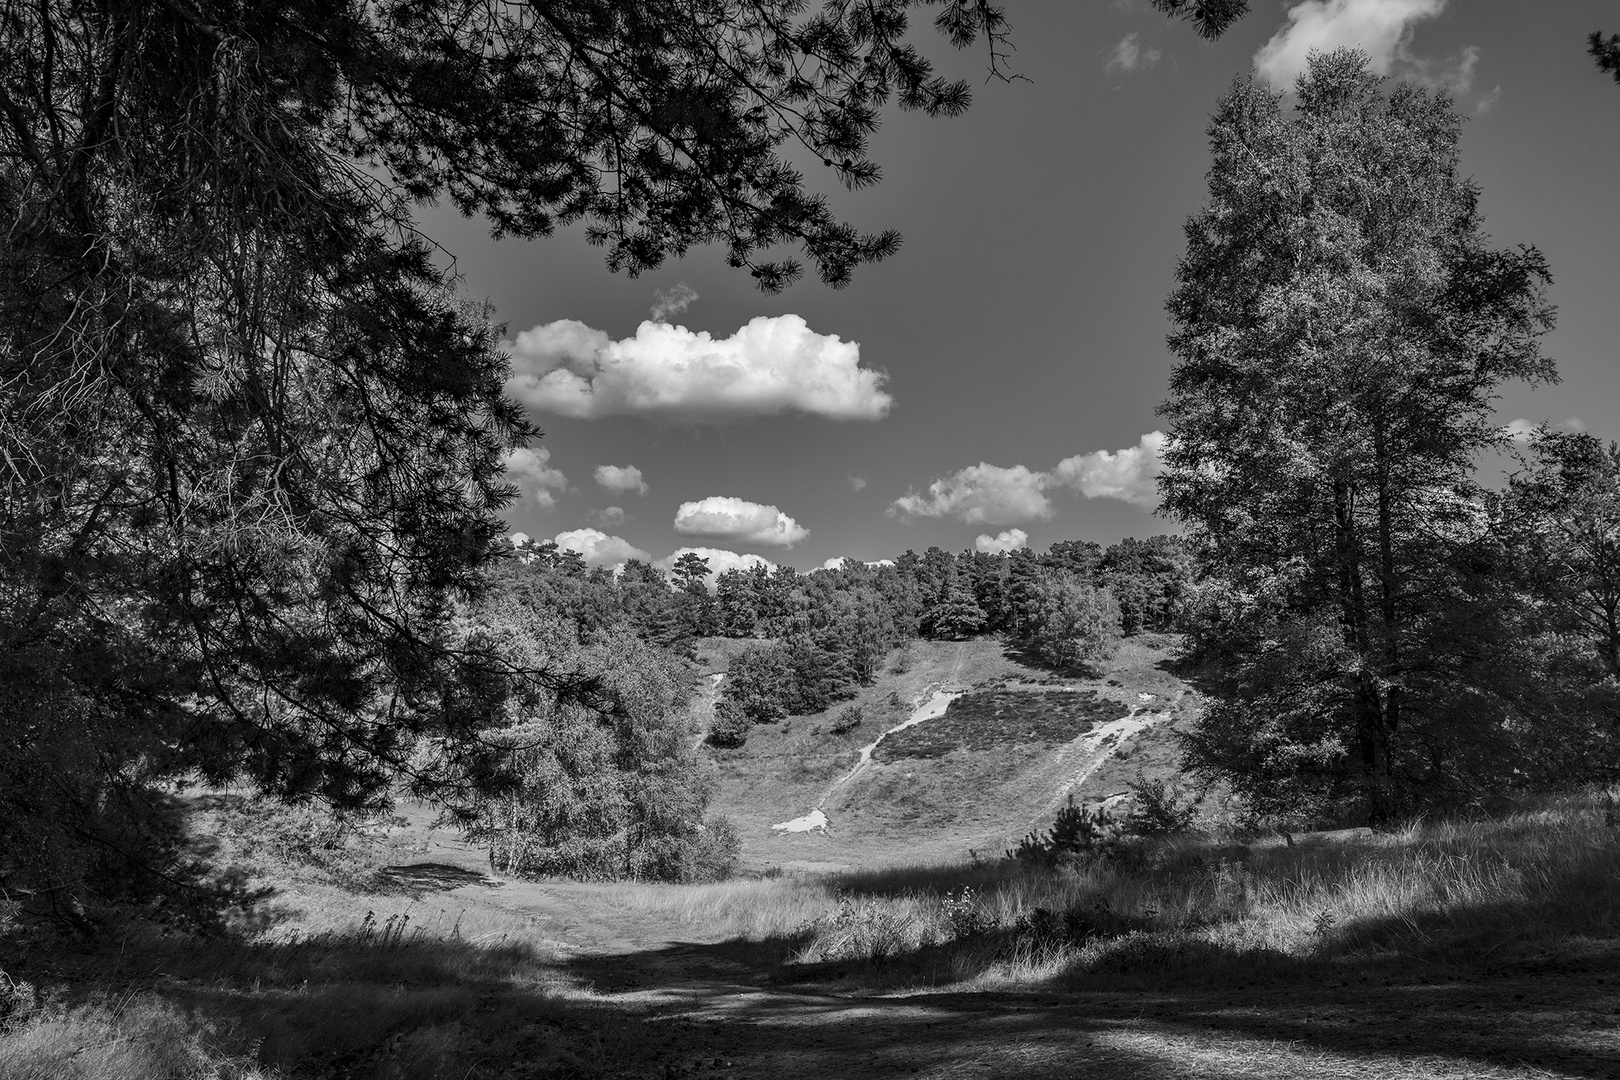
x=1483, y=960
x=922, y=803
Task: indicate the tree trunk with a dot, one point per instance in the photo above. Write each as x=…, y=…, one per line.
x=1372, y=737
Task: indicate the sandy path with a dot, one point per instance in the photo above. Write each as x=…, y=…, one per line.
x=1086, y=755
x=931, y=709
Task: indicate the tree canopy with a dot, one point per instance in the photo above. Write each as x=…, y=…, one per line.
x=1342, y=325
x=251, y=435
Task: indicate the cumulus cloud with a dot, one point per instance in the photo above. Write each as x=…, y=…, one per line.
x=621, y=478
x=1129, y=56
x=1130, y=474
x=597, y=548
x=986, y=494
x=772, y=365
x=1003, y=542
x=1380, y=28
x=981, y=494
x=1522, y=431
x=677, y=299
x=520, y=539
x=835, y=564
x=739, y=521
x=857, y=483
x=537, y=480
x=610, y=516
x=720, y=561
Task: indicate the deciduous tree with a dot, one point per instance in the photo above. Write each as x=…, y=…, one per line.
x=1342, y=326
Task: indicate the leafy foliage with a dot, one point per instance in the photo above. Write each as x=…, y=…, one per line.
x=1341, y=329
x=1606, y=52
x=1072, y=622
x=1074, y=832
x=619, y=795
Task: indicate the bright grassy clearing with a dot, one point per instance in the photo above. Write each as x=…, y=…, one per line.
x=1192, y=909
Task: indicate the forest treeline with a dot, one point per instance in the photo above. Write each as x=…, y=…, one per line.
x=825, y=633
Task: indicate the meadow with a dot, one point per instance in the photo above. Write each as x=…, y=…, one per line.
x=1446, y=948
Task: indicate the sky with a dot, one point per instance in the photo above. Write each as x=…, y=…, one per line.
x=994, y=384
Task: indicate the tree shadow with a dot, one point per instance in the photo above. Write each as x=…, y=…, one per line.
x=1028, y=656
x=1150, y=1005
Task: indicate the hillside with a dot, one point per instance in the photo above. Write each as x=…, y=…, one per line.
x=997, y=763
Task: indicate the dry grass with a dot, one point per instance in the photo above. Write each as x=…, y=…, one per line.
x=1194, y=909
x=142, y=1038
x=1254, y=940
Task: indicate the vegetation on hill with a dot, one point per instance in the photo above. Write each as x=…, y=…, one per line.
x=983, y=719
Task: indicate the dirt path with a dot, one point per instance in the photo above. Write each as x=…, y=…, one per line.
x=686, y=1006
x=1085, y=755
x=926, y=707
x=931, y=709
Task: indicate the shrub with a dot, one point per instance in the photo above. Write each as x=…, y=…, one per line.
x=848, y=719
x=730, y=728
x=1159, y=808
x=966, y=916
x=1074, y=832
x=712, y=854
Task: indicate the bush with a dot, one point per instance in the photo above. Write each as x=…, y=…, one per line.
x=713, y=853
x=848, y=719
x=730, y=728
x=967, y=918
x=1074, y=832
x=1159, y=808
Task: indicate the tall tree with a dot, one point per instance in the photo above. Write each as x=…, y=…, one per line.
x=1342, y=325
x=251, y=439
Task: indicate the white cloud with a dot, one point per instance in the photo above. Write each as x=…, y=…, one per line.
x=985, y=494
x=1488, y=100
x=600, y=549
x=677, y=299
x=520, y=539
x=772, y=365
x=1003, y=542
x=739, y=521
x=610, y=517
x=835, y=564
x=720, y=561
x=1380, y=28
x=981, y=494
x=1520, y=430
x=857, y=483
x=537, y=481
x=1129, y=474
x=621, y=478
x=1129, y=56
